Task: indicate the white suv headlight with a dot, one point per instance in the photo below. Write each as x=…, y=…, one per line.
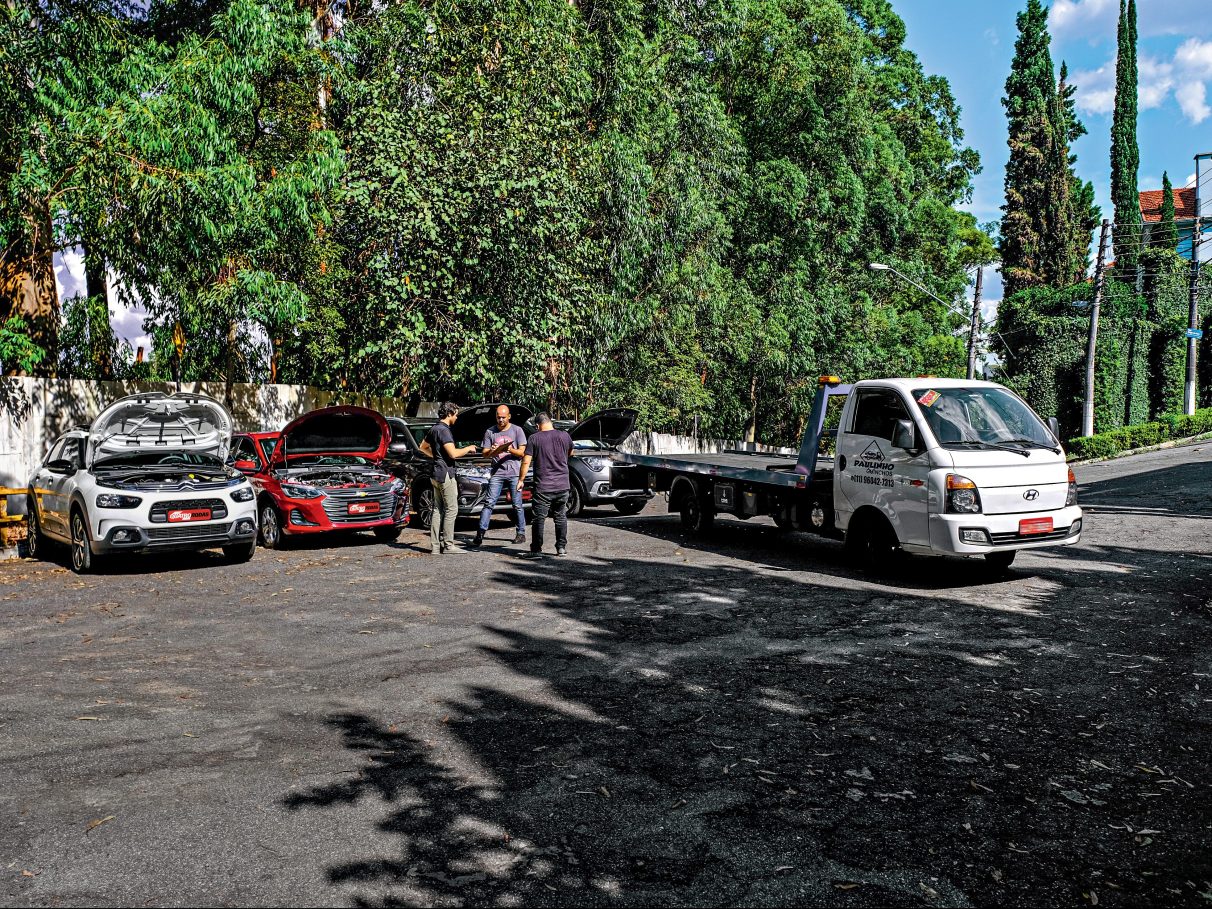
x=243, y=494
x=112, y=500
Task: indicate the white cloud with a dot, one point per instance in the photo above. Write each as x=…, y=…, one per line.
x=1095, y=88
x=1195, y=57
x=1096, y=20
x=1183, y=77
x=1192, y=98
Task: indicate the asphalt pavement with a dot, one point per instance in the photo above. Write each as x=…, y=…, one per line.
x=653, y=720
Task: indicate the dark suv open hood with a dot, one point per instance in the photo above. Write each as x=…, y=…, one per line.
x=345, y=430
x=610, y=427
x=473, y=422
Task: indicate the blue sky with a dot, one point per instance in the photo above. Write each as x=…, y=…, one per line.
x=972, y=43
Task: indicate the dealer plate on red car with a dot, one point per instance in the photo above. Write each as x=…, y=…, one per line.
x=363, y=507
x=1029, y=526
x=181, y=515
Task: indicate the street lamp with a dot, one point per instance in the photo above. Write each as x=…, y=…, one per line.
x=975, y=327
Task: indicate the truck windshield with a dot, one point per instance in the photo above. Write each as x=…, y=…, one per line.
x=983, y=415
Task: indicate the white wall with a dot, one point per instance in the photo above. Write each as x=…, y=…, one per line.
x=35, y=412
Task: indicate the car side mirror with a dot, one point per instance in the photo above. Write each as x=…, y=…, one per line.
x=245, y=466
x=903, y=436
x=61, y=466
x=1054, y=427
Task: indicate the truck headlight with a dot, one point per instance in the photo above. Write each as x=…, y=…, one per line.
x=962, y=496
x=299, y=491
x=111, y=500
x=243, y=494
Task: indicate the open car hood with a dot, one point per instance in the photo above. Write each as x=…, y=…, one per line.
x=473, y=422
x=155, y=421
x=609, y=427
x=344, y=430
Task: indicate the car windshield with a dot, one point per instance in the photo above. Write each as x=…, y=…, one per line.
x=140, y=460
x=589, y=444
x=330, y=461
x=981, y=415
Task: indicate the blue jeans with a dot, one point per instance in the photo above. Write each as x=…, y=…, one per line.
x=495, y=484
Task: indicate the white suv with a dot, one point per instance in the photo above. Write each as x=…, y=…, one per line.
x=151, y=473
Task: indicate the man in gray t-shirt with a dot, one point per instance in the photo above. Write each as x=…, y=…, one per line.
x=505, y=444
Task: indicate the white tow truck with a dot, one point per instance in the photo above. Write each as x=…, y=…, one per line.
x=929, y=466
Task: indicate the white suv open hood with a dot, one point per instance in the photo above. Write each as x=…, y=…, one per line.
x=155, y=421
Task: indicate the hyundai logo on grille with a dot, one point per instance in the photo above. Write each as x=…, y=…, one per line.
x=1031, y=495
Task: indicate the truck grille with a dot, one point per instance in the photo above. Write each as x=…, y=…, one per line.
x=188, y=533
x=1005, y=539
x=337, y=502
x=159, y=511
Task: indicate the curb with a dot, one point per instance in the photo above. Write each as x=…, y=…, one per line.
x=1161, y=446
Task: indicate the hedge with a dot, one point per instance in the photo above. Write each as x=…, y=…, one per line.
x=1165, y=428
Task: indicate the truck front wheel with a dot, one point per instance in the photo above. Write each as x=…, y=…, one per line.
x=1000, y=561
x=871, y=544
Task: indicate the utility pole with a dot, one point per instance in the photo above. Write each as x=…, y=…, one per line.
x=976, y=322
x=1189, y=393
x=1092, y=343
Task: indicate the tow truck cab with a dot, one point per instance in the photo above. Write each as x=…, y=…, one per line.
x=952, y=467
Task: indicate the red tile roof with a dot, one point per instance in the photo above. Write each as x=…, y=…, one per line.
x=1151, y=203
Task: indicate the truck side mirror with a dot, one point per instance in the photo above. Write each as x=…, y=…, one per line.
x=1054, y=427
x=903, y=436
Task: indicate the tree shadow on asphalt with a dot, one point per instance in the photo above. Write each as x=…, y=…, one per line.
x=772, y=548
x=1169, y=492
x=693, y=737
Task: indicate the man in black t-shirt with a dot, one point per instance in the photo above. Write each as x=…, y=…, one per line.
x=548, y=450
x=439, y=444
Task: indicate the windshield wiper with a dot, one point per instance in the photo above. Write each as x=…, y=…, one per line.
x=983, y=444
x=1034, y=444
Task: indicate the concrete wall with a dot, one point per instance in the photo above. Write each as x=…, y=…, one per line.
x=35, y=412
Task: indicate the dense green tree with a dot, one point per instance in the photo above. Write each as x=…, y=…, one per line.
x=1085, y=211
x=1125, y=153
x=1165, y=234
x=1047, y=210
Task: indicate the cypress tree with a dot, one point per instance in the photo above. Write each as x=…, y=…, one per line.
x=1037, y=234
x=1125, y=153
x=1165, y=235
x=1085, y=211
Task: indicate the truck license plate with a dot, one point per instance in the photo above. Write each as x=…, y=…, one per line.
x=181, y=515
x=363, y=507
x=1029, y=526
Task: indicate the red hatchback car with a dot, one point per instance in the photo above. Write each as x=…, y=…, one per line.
x=323, y=473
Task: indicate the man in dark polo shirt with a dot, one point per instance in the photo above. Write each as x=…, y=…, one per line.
x=548, y=450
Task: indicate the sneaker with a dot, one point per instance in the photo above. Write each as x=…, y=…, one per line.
x=532, y=555
x=453, y=549
x=561, y=550
x=520, y=538
x=479, y=539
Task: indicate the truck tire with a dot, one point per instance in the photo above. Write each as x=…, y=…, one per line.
x=871, y=544
x=697, y=516
x=1000, y=561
